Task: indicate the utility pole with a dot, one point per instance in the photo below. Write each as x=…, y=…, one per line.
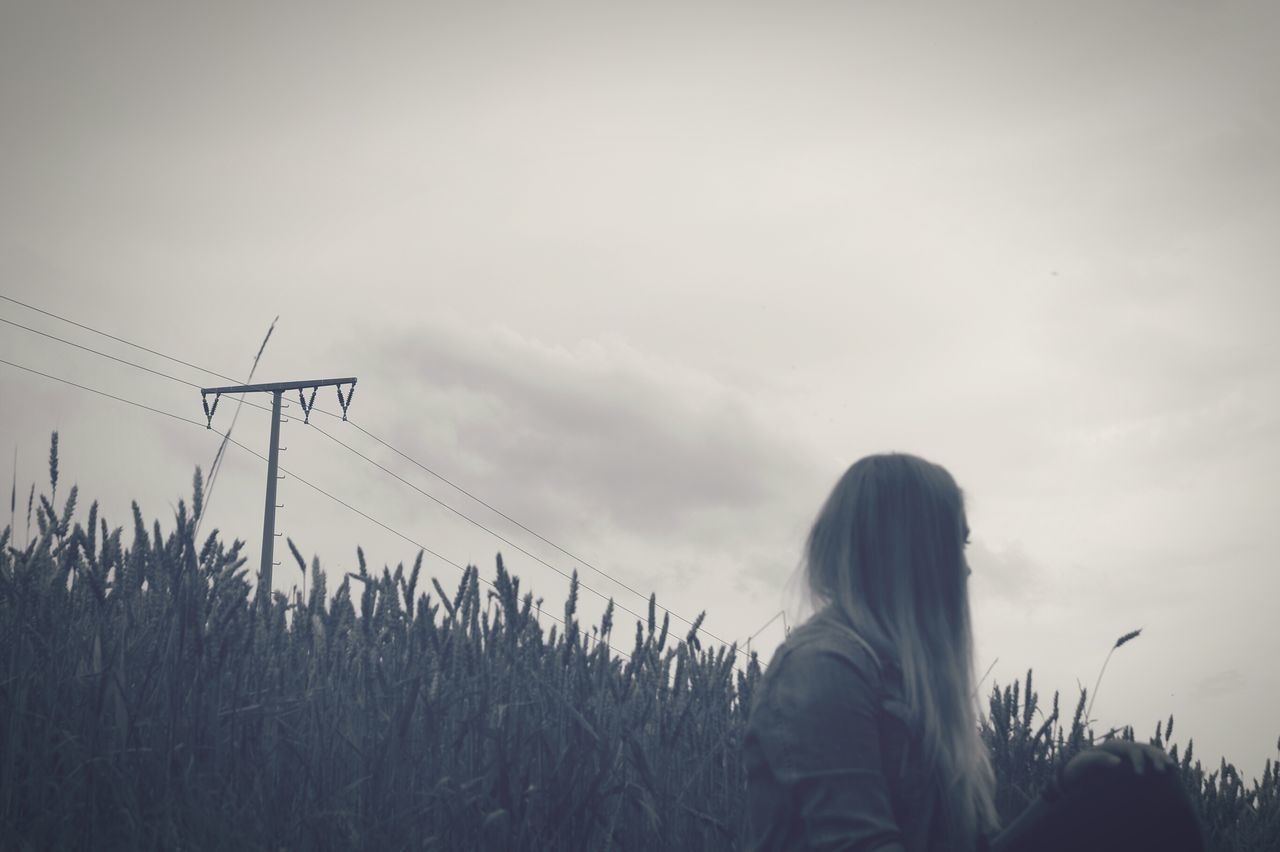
x=277, y=391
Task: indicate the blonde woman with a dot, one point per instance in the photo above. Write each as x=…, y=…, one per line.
x=863, y=733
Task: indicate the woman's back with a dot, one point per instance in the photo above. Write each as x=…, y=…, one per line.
x=833, y=752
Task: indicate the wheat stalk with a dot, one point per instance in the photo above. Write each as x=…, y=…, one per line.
x=1133, y=634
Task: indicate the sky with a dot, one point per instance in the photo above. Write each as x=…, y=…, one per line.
x=648, y=277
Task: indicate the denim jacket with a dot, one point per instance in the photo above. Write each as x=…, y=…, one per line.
x=832, y=751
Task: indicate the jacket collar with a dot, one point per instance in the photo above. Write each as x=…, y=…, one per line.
x=831, y=615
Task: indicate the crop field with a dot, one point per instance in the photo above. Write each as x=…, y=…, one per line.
x=147, y=703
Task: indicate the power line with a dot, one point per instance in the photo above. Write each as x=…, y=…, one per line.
x=227, y=437
x=113, y=337
x=499, y=512
x=336, y=499
x=103, y=393
x=101, y=354
x=776, y=616
x=374, y=437
x=522, y=526
x=217, y=461
x=305, y=482
x=124, y=361
x=391, y=473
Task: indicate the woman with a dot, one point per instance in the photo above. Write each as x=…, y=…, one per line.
x=863, y=732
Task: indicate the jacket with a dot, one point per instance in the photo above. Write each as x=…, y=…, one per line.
x=832, y=752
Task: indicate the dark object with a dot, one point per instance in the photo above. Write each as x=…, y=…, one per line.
x=1117, y=810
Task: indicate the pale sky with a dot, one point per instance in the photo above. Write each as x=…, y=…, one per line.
x=648, y=278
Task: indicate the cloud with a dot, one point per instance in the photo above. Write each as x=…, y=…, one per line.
x=1006, y=574
x=597, y=435
x=1221, y=684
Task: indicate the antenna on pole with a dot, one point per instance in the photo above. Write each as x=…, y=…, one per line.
x=277, y=390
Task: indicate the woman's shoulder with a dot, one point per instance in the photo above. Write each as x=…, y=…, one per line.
x=826, y=635
x=820, y=677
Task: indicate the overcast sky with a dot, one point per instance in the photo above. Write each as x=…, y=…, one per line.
x=649, y=278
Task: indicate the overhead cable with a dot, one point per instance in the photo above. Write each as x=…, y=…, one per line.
x=370, y=435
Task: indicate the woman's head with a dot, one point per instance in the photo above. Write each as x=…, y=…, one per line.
x=887, y=551
x=888, y=546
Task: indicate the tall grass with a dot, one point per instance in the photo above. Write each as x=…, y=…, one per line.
x=146, y=703
x=1025, y=751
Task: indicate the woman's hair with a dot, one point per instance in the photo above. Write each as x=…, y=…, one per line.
x=887, y=550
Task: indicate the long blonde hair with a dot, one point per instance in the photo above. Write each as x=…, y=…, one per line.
x=887, y=550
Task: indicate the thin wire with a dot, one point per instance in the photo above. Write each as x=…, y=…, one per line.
x=117, y=339
x=168, y=376
x=297, y=477
x=338, y=500
x=96, y=352
x=227, y=437
x=213, y=473
x=526, y=529
x=766, y=624
x=216, y=466
x=420, y=546
x=391, y=473
x=399, y=452
x=104, y=393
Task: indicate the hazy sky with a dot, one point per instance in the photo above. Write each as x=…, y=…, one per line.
x=648, y=278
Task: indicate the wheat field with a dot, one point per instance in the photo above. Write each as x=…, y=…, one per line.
x=146, y=703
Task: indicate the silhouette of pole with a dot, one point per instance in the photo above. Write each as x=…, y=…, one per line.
x=277, y=391
x=269, y=514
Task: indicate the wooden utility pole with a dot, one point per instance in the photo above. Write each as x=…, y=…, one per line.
x=277, y=390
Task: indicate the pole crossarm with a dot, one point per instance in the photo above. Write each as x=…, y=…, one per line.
x=277, y=391
x=279, y=386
